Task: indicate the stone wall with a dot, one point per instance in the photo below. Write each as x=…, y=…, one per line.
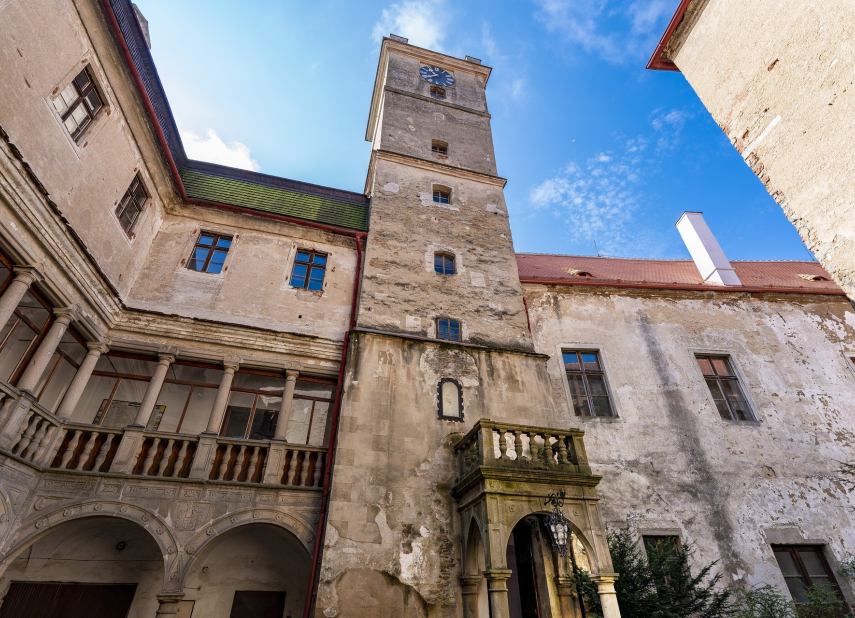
x=778, y=79
x=670, y=463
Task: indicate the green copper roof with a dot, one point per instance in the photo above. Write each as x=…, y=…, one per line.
x=213, y=188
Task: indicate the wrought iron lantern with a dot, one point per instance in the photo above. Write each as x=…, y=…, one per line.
x=557, y=523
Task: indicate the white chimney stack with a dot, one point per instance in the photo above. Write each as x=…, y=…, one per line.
x=706, y=252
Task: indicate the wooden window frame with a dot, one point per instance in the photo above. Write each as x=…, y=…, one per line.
x=310, y=267
x=439, y=147
x=584, y=373
x=131, y=197
x=84, y=98
x=211, y=250
x=441, y=197
x=437, y=93
x=442, y=267
x=732, y=377
x=450, y=326
x=795, y=551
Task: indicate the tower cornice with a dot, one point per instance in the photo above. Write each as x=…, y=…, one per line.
x=432, y=166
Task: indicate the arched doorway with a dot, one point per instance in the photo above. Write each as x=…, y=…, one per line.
x=252, y=571
x=97, y=567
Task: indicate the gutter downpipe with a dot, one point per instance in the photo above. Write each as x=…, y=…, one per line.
x=311, y=589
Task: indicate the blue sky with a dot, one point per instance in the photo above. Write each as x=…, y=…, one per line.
x=595, y=148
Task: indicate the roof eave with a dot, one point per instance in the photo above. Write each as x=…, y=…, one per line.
x=657, y=62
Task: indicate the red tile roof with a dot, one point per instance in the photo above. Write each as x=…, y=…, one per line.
x=755, y=276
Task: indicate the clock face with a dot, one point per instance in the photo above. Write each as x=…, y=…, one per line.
x=437, y=76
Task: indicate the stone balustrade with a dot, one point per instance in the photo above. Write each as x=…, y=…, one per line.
x=35, y=436
x=503, y=445
x=84, y=448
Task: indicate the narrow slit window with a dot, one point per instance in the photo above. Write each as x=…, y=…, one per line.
x=309, y=270
x=78, y=103
x=724, y=386
x=589, y=392
x=448, y=329
x=438, y=147
x=132, y=204
x=443, y=263
x=209, y=254
x=441, y=197
x=437, y=93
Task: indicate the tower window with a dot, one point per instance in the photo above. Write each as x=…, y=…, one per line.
x=441, y=196
x=309, y=270
x=437, y=93
x=209, y=254
x=439, y=147
x=79, y=103
x=132, y=204
x=448, y=329
x=443, y=263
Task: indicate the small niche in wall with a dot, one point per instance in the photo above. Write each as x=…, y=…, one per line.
x=450, y=400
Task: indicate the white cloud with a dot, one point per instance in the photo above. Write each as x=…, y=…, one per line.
x=214, y=150
x=423, y=22
x=618, y=30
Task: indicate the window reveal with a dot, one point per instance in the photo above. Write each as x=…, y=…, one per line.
x=724, y=386
x=443, y=263
x=309, y=270
x=448, y=329
x=79, y=103
x=588, y=389
x=209, y=254
x=132, y=204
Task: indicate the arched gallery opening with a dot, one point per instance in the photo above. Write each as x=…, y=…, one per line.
x=97, y=567
x=253, y=571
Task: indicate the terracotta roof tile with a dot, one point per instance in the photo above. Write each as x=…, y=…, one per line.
x=571, y=269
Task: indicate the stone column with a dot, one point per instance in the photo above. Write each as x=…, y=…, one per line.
x=608, y=596
x=285, y=408
x=42, y=357
x=25, y=276
x=153, y=390
x=567, y=599
x=222, y=399
x=469, y=590
x=168, y=604
x=81, y=379
x=497, y=586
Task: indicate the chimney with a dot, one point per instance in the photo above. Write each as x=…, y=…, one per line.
x=706, y=252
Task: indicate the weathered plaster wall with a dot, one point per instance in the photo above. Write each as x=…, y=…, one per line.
x=47, y=45
x=254, y=288
x=393, y=530
x=778, y=78
x=669, y=462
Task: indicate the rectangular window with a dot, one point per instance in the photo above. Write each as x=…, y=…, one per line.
x=439, y=147
x=132, y=204
x=724, y=386
x=209, y=254
x=437, y=93
x=588, y=390
x=441, y=197
x=804, y=566
x=447, y=329
x=667, y=542
x=78, y=103
x=309, y=270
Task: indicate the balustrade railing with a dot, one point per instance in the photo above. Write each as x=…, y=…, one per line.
x=165, y=455
x=35, y=435
x=522, y=447
x=302, y=466
x=84, y=448
x=238, y=460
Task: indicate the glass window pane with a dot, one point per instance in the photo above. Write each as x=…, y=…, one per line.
x=318, y=431
x=50, y=395
x=578, y=395
x=589, y=361
x=33, y=310
x=140, y=194
x=94, y=396
x=205, y=239
x=314, y=389
x=263, y=424
x=718, y=397
x=219, y=257
x=13, y=352
x=571, y=361
x=265, y=384
x=129, y=366
x=123, y=409
x=198, y=410
x=706, y=366
x=71, y=125
x=80, y=115
x=224, y=243
x=721, y=366
x=300, y=270
x=736, y=399
x=319, y=259
x=302, y=256
x=237, y=415
x=197, y=260
x=787, y=564
x=82, y=79
x=597, y=385
x=298, y=422
x=172, y=399
x=602, y=406
x=797, y=588
x=813, y=563
x=191, y=373
x=315, y=284
x=93, y=101
x=72, y=347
